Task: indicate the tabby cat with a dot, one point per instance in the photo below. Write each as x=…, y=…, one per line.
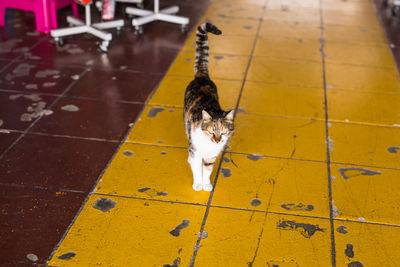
x=208, y=127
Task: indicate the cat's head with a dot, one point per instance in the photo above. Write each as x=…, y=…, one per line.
x=218, y=129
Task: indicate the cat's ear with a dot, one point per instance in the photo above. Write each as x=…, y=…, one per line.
x=205, y=116
x=229, y=115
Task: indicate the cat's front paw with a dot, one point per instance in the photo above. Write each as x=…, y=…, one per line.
x=207, y=187
x=197, y=187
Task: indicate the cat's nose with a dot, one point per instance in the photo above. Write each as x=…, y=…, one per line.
x=217, y=138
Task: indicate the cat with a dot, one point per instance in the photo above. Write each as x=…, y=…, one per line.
x=208, y=127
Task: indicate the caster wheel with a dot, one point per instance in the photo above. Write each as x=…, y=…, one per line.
x=184, y=28
x=104, y=46
x=59, y=42
x=139, y=30
x=395, y=10
x=119, y=31
x=99, y=5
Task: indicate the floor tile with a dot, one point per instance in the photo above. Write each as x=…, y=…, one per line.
x=164, y=171
x=251, y=238
x=290, y=49
x=89, y=118
x=34, y=216
x=290, y=13
x=289, y=29
x=371, y=244
x=234, y=26
x=160, y=125
x=172, y=89
x=279, y=185
x=362, y=78
x=296, y=5
x=301, y=73
x=348, y=34
x=280, y=137
x=364, y=145
x=38, y=78
x=6, y=139
x=141, y=58
x=363, y=55
x=282, y=100
x=96, y=236
x=362, y=8
x=55, y=162
x=363, y=107
x=75, y=52
x=348, y=18
x=220, y=66
x=368, y=193
x=224, y=44
x=234, y=9
x=19, y=110
x=115, y=85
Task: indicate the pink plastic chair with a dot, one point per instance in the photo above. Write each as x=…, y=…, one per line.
x=45, y=11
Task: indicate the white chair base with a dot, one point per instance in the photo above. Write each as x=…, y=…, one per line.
x=147, y=16
x=86, y=27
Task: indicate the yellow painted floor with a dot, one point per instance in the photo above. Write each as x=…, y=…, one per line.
x=312, y=174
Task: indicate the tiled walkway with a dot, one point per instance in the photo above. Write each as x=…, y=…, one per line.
x=311, y=174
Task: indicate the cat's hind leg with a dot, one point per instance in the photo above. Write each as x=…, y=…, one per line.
x=195, y=162
x=208, y=165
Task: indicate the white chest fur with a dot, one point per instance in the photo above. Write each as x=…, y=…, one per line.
x=203, y=145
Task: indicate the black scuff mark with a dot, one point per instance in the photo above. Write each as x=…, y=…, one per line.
x=300, y=206
x=305, y=229
x=255, y=202
x=234, y=164
x=162, y=193
x=218, y=57
x=250, y=263
x=349, y=250
x=177, y=231
x=224, y=159
x=128, y=153
x=393, y=149
x=154, y=111
x=67, y=256
x=255, y=157
x=354, y=172
x=355, y=264
x=163, y=153
x=104, y=204
x=342, y=229
x=226, y=172
x=240, y=110
x=175, y=264
x=143, y=189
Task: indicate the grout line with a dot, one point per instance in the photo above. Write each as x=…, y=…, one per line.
x=327, y=140
x=197, y=246
x=16, y=59
x=37, y=119
x=49, y=188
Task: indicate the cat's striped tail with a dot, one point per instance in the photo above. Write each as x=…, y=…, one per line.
x=202, y=49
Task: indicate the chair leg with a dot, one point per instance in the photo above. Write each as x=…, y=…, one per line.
x=42, y=17
x=53, y=14
x=2, y=14
x=75, y=9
